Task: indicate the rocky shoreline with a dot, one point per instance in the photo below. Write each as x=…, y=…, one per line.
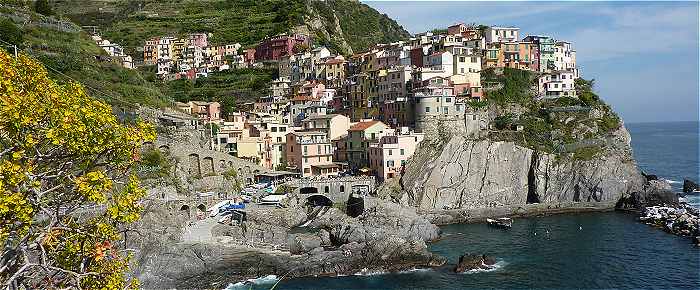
x=681, y=220
x=387, y=237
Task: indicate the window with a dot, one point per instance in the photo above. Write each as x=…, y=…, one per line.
x=390, y=152
x=461, y=59
x=306, y=150
x=273, y=129
x=342, y=188
x=461, y=70
x=427, y=109
x=306, y=170
x=448, y=100
x=401, y=151
x=318, y=149
x=444, y=110
x=279, y=139
x=306, y=159
x=291, y=148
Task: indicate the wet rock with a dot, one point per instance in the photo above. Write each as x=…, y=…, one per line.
x=303, y=243
x=682, y=220
x=469, y=262
x=690, y=186
x=650, y=177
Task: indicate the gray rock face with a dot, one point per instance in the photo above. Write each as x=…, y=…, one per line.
x=386, y=237
x=472, y=174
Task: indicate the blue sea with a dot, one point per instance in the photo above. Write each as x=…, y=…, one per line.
x=572, y=251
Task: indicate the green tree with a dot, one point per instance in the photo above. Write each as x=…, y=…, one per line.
x=9, y=32
x=43, y=7
x=66, y=192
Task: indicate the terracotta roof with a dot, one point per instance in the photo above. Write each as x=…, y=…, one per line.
x=361, y=126
x=303, y=98
x=334, y=61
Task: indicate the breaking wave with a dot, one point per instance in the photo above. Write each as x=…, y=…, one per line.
x=269, y=279
x=495, y=267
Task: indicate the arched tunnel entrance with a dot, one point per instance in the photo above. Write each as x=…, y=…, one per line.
x=355, y=206
x=185, y=210
x=308, y=190
x=318, y=200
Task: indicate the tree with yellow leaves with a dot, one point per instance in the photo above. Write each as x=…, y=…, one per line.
x=66, y=192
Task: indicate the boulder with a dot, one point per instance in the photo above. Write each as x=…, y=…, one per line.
x=469, y=262
x=303, y=243
x=690, y=186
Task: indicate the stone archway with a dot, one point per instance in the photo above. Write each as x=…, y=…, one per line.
x=202, y=208
x=208, y=166
x=185, y=209
x=308, y=190
x=194, y=169
x=318, y=200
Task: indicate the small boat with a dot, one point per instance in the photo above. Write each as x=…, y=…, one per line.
x=504, y=223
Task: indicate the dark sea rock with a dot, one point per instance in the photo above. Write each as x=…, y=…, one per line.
x=650, y=177
x=690, y=186
x=469, y=262
x=655, y=193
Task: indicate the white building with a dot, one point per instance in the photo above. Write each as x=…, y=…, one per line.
x=557, y=84
x=565, y=57
x=501, y=34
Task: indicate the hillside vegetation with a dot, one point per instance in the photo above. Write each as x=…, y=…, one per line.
x=130, y=22
x=70, y=54
x=576, y=126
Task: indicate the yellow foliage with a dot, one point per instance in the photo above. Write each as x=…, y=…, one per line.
x=63, y=149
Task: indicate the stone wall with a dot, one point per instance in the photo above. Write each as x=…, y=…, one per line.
x=337, y=189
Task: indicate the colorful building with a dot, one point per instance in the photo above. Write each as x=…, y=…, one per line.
x=388, y=157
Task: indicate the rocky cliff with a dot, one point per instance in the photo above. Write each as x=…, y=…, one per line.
x=486, y=173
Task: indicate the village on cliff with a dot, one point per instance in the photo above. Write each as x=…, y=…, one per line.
x=329, y=115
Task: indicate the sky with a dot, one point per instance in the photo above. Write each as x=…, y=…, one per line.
x=644, y=56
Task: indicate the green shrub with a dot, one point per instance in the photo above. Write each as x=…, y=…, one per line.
x=154, y=164
x=503, y=121
x=42, y=7
x=587, y=153
x=9, y=32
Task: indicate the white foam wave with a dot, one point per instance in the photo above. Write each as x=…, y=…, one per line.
x=269, y=279
x=671, y=181
x=367, y=272
x=495, y=267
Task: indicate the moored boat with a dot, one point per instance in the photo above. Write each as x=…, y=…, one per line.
x=504, y=223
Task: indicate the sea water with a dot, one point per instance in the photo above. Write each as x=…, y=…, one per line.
x=571, y=251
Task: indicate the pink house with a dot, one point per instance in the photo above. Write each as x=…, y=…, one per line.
x=311, y=153
x=276, y=47
x=206, y=111
x=197, y=39
x=388, y=157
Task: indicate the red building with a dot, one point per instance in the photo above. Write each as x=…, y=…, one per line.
x=276, y=47
x=417, y=57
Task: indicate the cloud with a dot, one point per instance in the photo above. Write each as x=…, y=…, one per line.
x=637, y=30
